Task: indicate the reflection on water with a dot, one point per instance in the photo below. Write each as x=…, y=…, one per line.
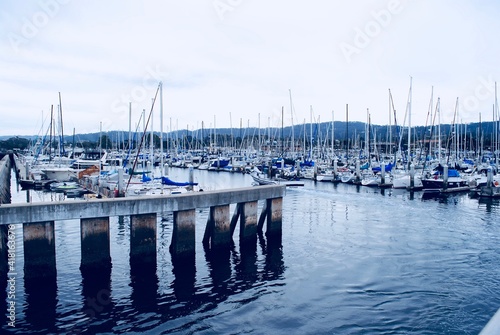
x=351, y=259
x=41, y=301
x=97, y=298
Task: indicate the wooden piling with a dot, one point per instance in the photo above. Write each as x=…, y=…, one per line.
x=95, y=243
x=143, y=237
x=183, y=235
x=39, y=249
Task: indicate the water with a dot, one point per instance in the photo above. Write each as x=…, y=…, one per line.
x=353, y=260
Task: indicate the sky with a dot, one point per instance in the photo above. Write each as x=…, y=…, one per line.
x=244, y=63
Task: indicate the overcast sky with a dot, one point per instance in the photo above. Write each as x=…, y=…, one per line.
x=229, y=61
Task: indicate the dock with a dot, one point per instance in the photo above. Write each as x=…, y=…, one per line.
x=39, y=238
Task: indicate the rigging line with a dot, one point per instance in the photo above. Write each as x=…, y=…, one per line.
x=142, y=138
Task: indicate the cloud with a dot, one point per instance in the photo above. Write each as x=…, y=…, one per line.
x=100, y=55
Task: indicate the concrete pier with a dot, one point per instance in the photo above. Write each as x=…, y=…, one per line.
x=95, y=242
x=39, y=249
x=38, y=225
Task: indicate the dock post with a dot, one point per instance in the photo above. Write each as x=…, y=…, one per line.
x=445, y=177
x=248, y=221
x=183, y=235
x=95, y=243
x=143, y=238
x=412, y=177
x=274, y=217
x=335, y=168
x=358, y=171
x=382, y=173
x=191, y=177
x=489, y=177
x=39, y=249
x=120, y=181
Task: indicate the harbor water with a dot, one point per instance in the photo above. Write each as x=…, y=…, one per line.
x=353, y=260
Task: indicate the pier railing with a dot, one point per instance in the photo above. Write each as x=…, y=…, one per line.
x=39, y=238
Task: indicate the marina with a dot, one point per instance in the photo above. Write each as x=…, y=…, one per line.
x=351, y=259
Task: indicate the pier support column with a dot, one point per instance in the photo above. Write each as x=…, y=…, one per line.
x=143, y=238
x=274, y=216
x=183, y=235
x=218, y=230
x=39, y=249
x=248, y=221
x=95, y=243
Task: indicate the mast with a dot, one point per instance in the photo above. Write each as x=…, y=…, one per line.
x=311, y=130
x=51, y=127
x=333, y=136
x=347, y=130
x=438, y=111
x=390, y=128
x=291, y=114
x=367, y=133
x=161, y=130
x=282, y=138
x=496, y=121
x=409, y=123
x=130, y=125
x=62, y=129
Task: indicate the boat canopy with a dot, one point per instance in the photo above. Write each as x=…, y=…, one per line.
x=168, y=181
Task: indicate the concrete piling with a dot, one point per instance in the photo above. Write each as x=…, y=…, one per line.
x=143, y=238
x=221, y=233
x=248, y=221
x=95, y=243
x=183, y=235
x=39, y=249
x=274, y=216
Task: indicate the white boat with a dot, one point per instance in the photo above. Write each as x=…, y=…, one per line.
x=402, y=181
x=60, y=174
x=260, y=178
